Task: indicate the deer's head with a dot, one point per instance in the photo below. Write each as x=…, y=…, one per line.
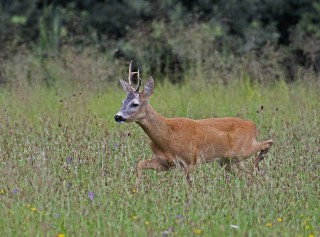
x=134, y=106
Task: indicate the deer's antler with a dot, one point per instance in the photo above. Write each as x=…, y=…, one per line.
x=139, y=81
x=130, y=77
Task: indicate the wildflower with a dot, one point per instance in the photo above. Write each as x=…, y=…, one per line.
x=91, y=196
x=179, y=216
x=311, y=235
x=269, y=224
x=168, y=231
x=134, y=218
x=234, y=226
x=69, y=186
x=33, y=209
x=61, y=235
x=134, y=190
x=28, y=206
x=279, y=219
x=69, y=160
x=307, y=227
x=147, y=222
x=165, y=233
x=2, y=191
x=197, y=231
x=15, y=191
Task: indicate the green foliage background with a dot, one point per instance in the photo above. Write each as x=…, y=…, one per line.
x=166, y=37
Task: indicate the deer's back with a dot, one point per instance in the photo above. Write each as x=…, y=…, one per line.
x=212, y=126
x=208, y=138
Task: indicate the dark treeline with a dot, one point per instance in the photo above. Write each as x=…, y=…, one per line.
x=169, y=35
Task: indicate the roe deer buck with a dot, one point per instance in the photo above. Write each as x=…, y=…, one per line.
x=185, y=142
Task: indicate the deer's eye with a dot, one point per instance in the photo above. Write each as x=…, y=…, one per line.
x=134, y=105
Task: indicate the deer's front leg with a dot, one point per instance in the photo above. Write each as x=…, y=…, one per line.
x=189, y=170
x=158, y=164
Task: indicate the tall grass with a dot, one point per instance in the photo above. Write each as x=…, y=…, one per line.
x=67, y=168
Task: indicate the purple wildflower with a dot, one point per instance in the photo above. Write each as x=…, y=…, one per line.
x=69, y=186
x=15, y=191
x=91, y=196
x=168, y=231
x=69, y=160
x=178, y=216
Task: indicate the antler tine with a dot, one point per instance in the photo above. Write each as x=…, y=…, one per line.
x=139, y=81
x=130, y=73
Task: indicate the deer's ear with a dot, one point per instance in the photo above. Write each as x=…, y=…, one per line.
x=148, y=88
x=125, y=86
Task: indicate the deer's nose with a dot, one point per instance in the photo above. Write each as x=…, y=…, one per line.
x=119, y=118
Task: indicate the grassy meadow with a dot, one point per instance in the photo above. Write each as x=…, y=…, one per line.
x=67, y=169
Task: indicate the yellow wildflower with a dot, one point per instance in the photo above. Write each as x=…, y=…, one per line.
x=28, y=206
x=134, y=190
x=311, y=235
x=197, y=231
x=33, y=209
x=2, y=191
x=269, y=224
x=134, y=218
x=147, y=222
x=279, y=219
x=61, y=235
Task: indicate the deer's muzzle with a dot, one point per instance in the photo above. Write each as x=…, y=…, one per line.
x=119, y=118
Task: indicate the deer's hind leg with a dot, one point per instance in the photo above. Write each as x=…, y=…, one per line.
x=233, y=167
x=157, y=163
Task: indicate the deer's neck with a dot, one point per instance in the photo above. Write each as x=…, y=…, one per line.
x=155, y=126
